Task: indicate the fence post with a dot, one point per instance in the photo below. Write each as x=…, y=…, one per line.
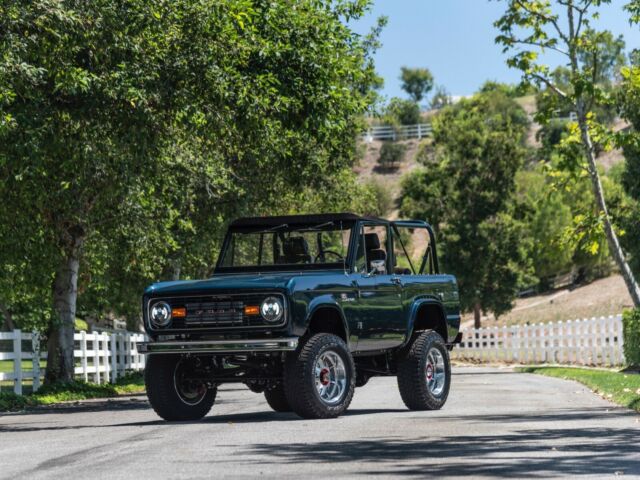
x=620, y=340
x=35, y=360
x=83, y=350
x=17, y=362
x=114, y=357
x=96, y=357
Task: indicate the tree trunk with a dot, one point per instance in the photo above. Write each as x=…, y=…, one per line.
x=612, y=238
x=60, y=363
x=477, y=315
x=8, y=319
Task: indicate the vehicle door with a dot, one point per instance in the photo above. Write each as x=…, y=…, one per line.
x=379, y=293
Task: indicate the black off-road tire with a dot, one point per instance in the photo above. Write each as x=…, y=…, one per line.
x=277, y=399
x=163, y=395
x=412, y=373
x=300, y=377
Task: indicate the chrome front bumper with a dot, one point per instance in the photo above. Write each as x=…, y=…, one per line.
x=220, y=346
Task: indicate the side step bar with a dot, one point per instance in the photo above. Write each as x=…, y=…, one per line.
x=220, y=346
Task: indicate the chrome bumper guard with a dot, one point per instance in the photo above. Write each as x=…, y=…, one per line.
x=220, y=346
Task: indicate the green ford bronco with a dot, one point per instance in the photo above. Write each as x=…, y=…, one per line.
x=304, y=309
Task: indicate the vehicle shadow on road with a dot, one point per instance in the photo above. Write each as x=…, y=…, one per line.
x=527, y=453
x=248, y=417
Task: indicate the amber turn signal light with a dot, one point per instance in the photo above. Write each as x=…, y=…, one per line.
x=251, y=310
x=178, y=312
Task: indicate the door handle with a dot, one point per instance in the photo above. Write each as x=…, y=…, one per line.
x=396, y=280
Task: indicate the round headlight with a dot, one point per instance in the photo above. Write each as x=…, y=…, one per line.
x=160, y=314
x=271, y=309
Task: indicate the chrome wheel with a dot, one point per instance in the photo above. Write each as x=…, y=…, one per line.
x=190, y=391
x=330, y=377
x=435, y=372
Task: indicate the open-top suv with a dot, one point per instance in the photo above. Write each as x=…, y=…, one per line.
x=304, y=309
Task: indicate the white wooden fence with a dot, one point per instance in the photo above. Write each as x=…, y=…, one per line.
x=389, y=132
x=594, y=341
x=99, y=357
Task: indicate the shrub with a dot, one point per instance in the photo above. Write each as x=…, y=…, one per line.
x=391, y=154
x=631, y=333
x=383, y=201
x=404, y=111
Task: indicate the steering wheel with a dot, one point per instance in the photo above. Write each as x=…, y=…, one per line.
x=322, y=254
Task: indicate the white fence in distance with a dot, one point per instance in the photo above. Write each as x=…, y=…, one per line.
x=99, y=357
x=389, y=132
x=593, y=342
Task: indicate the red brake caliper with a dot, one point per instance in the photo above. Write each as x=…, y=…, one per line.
x=324, y=376
x=429, y=372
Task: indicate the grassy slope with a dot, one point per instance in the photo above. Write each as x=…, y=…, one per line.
x=618, y=387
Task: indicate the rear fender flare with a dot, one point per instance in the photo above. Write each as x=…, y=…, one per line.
x=413, y=315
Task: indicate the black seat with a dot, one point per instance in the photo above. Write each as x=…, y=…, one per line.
x=372, y=246
x=295, y=250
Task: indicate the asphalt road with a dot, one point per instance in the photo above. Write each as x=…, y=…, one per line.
x=496, y=424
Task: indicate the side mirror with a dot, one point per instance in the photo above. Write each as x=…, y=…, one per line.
x=377, y=266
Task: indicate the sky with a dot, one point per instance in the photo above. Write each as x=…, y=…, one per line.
x=455, y=40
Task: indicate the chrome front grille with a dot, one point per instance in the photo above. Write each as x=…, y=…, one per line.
x=217, y=311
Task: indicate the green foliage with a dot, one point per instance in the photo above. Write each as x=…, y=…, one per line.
x=546, y=216
x=417, y=82
x=382, y=200
x=81, y=325
x=631, y=332
x=619, y=387
x=465, y=190
x=627, y=207
x=550, y=135
x=511, y=91
x=441, y=98
x=602, y=55
x=391, y=154
x=10, y=402
x=400, y=111
x=131, y=133
x=529, y=28
x=72, y=391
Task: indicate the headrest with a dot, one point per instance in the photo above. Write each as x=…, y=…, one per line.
x=371, y=241
x=295, y=246
x=376, y=254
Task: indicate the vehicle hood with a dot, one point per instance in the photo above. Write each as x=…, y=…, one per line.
x=232, y=283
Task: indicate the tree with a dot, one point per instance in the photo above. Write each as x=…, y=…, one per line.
x=441, y=98
x=546, y=216
x=604, y=57
x=401, y=111
x=131, y=132
x=417, y=82
x=466, y=190
x=531, y=26
x=627, y=210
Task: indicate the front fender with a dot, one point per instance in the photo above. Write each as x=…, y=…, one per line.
x=321, y=302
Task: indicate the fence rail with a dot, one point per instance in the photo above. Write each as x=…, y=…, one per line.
x=389, y=132
x=594, y=342
x=99, y=357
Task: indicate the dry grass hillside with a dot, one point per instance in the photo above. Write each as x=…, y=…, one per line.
x=603, y=297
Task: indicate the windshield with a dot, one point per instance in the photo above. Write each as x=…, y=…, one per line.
x=286, y=246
